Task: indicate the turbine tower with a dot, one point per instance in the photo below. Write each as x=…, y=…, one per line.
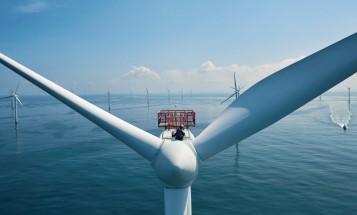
x=176, y=162
x=168, y=93
x=147, y=96
x=108, y=100
x=182, y=95
x=349, y=98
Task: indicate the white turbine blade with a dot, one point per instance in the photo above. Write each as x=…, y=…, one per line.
x=278, y=95
x=6, y=97
x=18, y=84
x=140, y=141
x=241, y=87
x=228, y=98
x=178, y=201
x=17, y=98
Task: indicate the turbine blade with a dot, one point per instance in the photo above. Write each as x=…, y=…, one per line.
x=6, y=97
x=235, y=86
x=235, y=81
x=139, y=140
x=241, y=87
x=228, y=98
x=278, y=95
x=18, y=84
x=17, y=98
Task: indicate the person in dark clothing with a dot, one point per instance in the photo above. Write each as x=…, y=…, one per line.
x=179, y=133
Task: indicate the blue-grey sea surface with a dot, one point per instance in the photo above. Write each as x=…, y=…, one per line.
x=58, y=162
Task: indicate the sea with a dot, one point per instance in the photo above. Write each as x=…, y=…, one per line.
x=58, y=162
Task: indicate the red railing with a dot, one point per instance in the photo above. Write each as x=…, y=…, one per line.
x=175, y=118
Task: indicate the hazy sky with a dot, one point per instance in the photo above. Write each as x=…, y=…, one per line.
x=92, y=46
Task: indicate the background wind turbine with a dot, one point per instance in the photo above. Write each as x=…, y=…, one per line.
x=349, y=98
x=236, y=90
x=14, y=103
x=182, y=95
x=176, y=162
x=147, y=96
x=108, y=100
x=168, y=93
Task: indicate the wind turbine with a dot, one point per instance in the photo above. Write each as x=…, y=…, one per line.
x=168, y=93
x=349, y=98
x=182, y=95
x=236, y=90
x=177, y=162
x=147, y=96
x=14, y=100
x=108, y=100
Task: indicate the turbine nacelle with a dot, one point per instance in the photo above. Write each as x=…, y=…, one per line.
x=176, y=164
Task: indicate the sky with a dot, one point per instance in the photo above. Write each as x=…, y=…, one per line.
x=122, y=46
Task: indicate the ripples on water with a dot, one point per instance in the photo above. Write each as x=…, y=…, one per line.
x=58, y=162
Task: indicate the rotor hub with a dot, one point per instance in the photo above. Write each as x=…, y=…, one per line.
x=176, y=163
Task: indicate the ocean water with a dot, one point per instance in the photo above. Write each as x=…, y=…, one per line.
x=58, y=162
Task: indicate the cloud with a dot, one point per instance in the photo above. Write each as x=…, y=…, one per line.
x=207, y=67
x=207, y=77
x=142, y=72
x=34, y=6
x=213, y=78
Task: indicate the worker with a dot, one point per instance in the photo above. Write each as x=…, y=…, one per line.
x=179, y=133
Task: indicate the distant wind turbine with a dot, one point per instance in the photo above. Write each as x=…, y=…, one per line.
x=349, y=98
x=176, y=162
x=182, y=95
x=147, y=96
x=14, y=103
x=108, y=100
x=236, y=90
x=168, y=93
